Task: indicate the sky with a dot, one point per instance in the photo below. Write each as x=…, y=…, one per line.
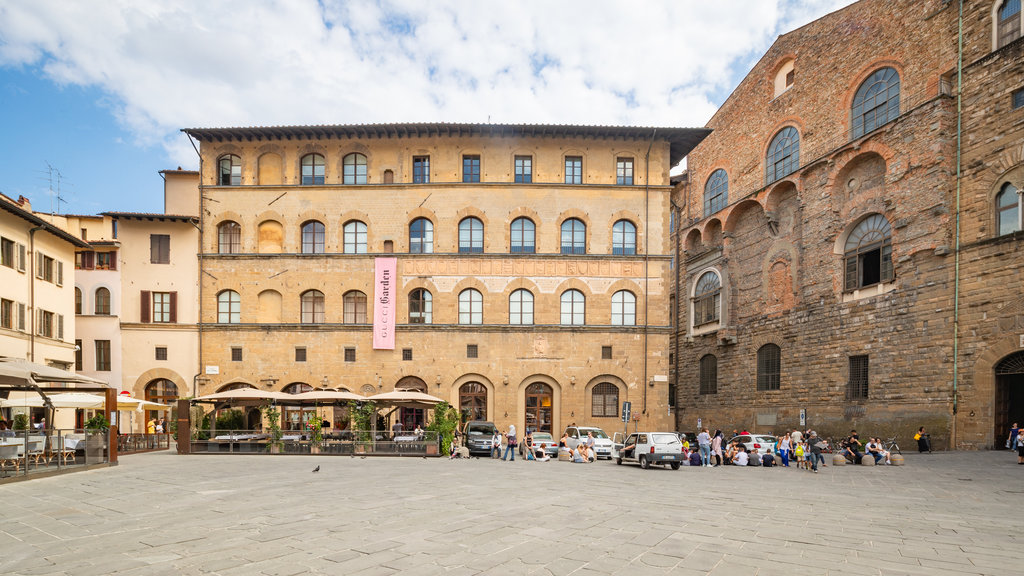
x=93, y=94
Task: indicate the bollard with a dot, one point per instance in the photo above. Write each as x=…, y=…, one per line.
x=867, y=460
x=838, y=460
x=896, y=459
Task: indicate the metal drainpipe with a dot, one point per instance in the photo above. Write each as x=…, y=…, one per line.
x=647, y=253
x=199, y=277
x=675, y=317
x=956, y=266
x=32, y=291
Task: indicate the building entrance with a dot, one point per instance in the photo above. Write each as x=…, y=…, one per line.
x=1009, y=396
x=538, y=407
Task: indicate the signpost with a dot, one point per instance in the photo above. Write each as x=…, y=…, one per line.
x=803, y=418
x=626, y=409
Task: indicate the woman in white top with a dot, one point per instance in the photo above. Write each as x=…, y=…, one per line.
x=784, y=445
x=704, y=440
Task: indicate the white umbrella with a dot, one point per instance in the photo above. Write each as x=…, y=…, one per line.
x=62, y=400
x=326, y=396
x=405, y=398
x=243, y=394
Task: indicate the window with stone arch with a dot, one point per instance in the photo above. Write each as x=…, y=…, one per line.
x=1008, y=210
x=161, y=391
x=354, y=166
x=473, y=401
x=769, y=367
x=574, y=236
x=783, y=155
x=868, y=254
x=876, y=102
x=314, y=169
x=523, y=237
x=1007, y=22
x=229, y=171
x=573, y=309
x=229, y=307
x=623, y=308
x=604, y=400
x=102, y=307
x=354, y=307
x=78, y=300
x=313, y=234
x=716, y=192
x=708, y=374
x=520, y=307
x=229, y=238
x=312, y=307
x=624, y=238
x=707, y=299
x=355, y=237
x=471, y=236
x=471, y=307
x=421, y=306
x=421, y=236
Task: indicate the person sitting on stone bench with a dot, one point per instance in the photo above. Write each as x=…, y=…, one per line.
x=875, y=449
x=851, y=448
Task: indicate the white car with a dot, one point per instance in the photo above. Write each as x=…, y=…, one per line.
x=764, y=443
x=603, y=446
x=646, y=448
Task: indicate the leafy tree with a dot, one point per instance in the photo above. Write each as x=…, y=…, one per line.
x=446, y=420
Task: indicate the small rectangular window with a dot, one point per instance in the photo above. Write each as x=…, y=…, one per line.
x=103, y=355
x=160, y=248
x=300, y=354
x=524, y=169
x=421, y=169
x=624, y=171
x=161, y=352
x=406, y=354
x=161, y=307
x=7, y=313
x=7, y=252
x=236, y=354
x=857, y=387
x=350, y=354
x=1018, y=99
x=471, y=351
x=573, y=169
x=606, y=352
x=471, y=168
x=106, y=261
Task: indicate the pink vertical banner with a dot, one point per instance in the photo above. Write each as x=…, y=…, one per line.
x=385, y=277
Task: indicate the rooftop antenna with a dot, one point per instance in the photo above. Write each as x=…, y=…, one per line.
x=51, y=174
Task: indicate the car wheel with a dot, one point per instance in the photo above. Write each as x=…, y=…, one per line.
x=618, y=461
x=675, y=465
x=643, y=463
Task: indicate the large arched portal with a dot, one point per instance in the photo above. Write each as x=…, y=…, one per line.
x=411, y=418
x=1009, y=395
x=539, y=397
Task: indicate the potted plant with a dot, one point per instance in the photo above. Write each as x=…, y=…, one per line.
x=446, y=420
x=363, y=414
x=21, y=421
x=273, y=416
x=316, y=434
x=96, y=429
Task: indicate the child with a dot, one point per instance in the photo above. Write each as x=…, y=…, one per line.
x=801, y=462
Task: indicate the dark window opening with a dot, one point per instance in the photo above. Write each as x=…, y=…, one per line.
x=472, y=351
x=606, y=352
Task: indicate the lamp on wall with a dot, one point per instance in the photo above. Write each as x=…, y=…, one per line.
x=269, y=381
x=504, y=380
x=572, y=380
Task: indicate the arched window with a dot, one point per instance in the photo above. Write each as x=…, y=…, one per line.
x=78, y=300
x=573, y=308
x=709, y=374
x=354, y=169
x=229, y=307
x=524, y=234
x=520, y=307
x=313, y=234
x=604, y=400
x=230, y=170
x=421, y=236
x=769, y=367
x=355, y=237
x=783, y=155
x=574, y=236
x=312, y=307
x=161, y=391
x=473, y=401
x=868, y=254
x=1008, y=210
x=624, y=238
x=421, y=306
x=293, y=418
x=471, y=307
x=623, y=308
x=229, y=238
x=355, y=307
x=313, y=169
x=102, y=302
x=877, y=101
x=471, y=236
x=716, y=192
x=707, y=299
x=1007, y=22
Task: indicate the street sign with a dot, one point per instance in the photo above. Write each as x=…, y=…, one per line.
x=803, y=417
x=699, y=428
x=626, y=407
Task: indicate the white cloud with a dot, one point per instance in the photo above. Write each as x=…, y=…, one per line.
x=188, y=63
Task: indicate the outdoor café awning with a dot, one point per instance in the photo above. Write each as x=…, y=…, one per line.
x=79, y=400
x=405, y=398
x=325, y=397
x=242, y=394
x=20, y=374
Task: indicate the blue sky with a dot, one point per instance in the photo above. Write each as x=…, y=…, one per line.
x=99, y=90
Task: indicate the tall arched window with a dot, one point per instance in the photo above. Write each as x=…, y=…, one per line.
x=355, y=237
x=296, y=418
x=539, y=407
x=471, y=307
x=229, y=170
x=604, y=400
x=312, y=307
x=877, y=101
x=573, y=308
x=709, y=374
x=229, y=238
x=102, y=302
x=78, y=300
x=624, y=238
x=354, y=169
x=313, y=234
x=471, y=236
x=421, y=306
x=1008, y=210
x=716, y=192
x=707, y=299
x=783, y=155
x=623, y=308
x=313, y=169
x=868, y=253
x=524, y=234
x=229, y=307
x=1008, y=25
x=520, y=307
x=473, y=401
x=161, y=391
x=354, y=303
x=421, y=236
x=574, y=236
x=769, y=367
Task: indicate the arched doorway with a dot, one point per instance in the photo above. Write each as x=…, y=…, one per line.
x=472, y=402
x=412, y=417
x=538, y=407
x=1009, y=395
x=296, y=417
x=162, y=391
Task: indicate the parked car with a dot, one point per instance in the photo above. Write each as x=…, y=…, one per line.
x=690, y=437
x=478, y=437
x=662, y=448
x=765, y=443
x=603, y=446
x=550, y=448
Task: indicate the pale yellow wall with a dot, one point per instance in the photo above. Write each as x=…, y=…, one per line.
x=181, y=192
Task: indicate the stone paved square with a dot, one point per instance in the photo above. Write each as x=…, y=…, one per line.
x=160, y=513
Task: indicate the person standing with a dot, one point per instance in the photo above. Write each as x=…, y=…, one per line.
x=1011, y=440
x=784, y=445
x=704, y=441
x=496, y=444
x=1020, y=446
x=716, y=447
x=510, y=444
x=814, y=445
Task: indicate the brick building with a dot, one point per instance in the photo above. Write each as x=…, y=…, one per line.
x=533, y=265
x=818, y=239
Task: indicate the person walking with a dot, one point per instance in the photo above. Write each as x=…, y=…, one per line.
x=814, y=446
x=784, y=446
x=510, y=444
x=1020, y=446
x=716, y=447
x=704, y=441
x=1011, y=440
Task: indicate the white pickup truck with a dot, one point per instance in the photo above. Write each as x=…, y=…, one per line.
x=646, y=448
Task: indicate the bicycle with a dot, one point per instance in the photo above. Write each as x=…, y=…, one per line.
x=891, y=446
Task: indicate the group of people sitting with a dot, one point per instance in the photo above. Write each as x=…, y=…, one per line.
x=851, y=448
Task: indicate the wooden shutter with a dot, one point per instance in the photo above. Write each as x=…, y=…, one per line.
x=852, y=282
x=21, y=257
x=39, y=264
x=113, y=260
x=21, y=316
x=174, y=307
x=60, y=273
x=88, y=260
x=146, y=299
x=60, y=326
